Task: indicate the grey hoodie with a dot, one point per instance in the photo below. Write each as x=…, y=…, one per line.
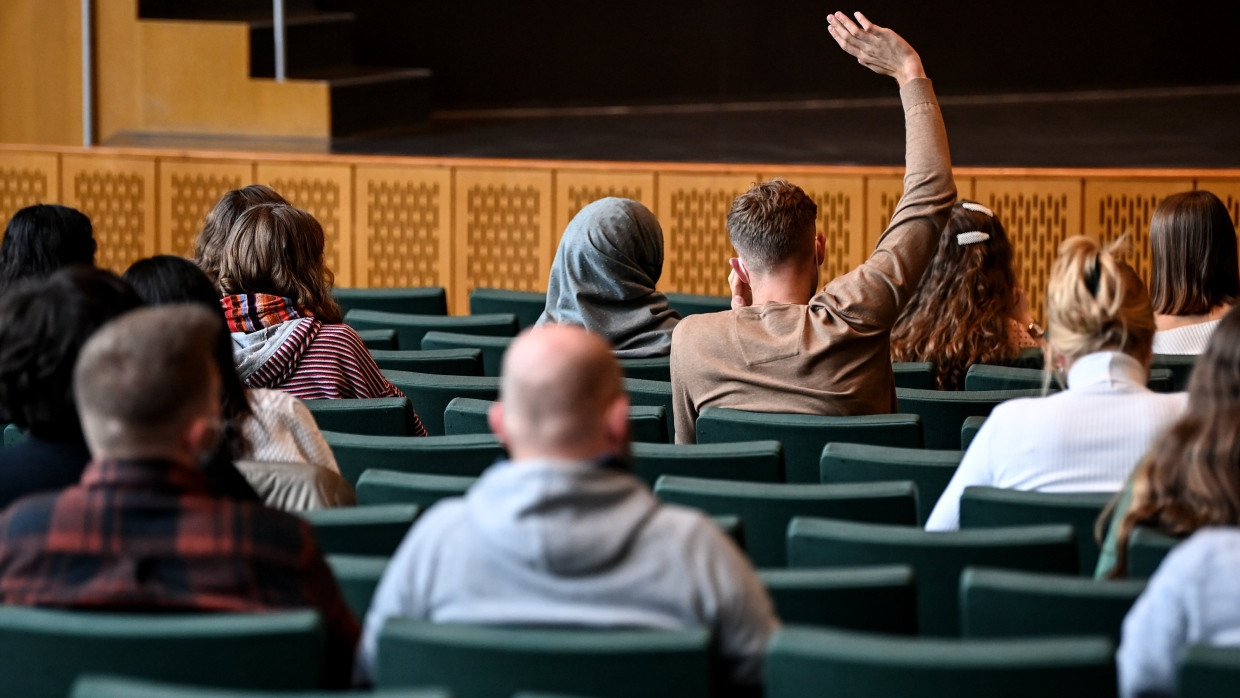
x=574, y=544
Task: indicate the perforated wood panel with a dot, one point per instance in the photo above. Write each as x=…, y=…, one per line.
x=503, y=230
x=119, y=196
x=326, y=191
x=27, y=179
x=1115, y=207
x=188, y=189
x=576, y=188
x=404, y=226
x=1037, y=215
x=841, y=217
x=693, y=209
x=1226, y=189
x=882, y=193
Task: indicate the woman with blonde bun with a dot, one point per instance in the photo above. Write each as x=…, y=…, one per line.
x=1090, y=436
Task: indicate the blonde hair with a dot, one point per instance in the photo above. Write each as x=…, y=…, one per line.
x=278, y=249
x=1095, y=301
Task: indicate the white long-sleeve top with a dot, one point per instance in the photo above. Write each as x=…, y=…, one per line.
x=1087, y=438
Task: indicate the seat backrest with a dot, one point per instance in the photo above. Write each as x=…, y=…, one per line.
x=650, y=393
x=358, y=577
x=492, y=348
x=805, y=435
x=377, y=486
x=446, y=362
x=410, y=328
x=469, y=416
x=766, y=508
x=1008, y=603
x=800, y=662
x=1146, y=550
x=104, y=686
x=430, y=393
x=754, y=461
x=466, y=455
x=994, y=377
x=418, y=300
x=384, y=339
x=362, y=530
x=43, y=650
x=1180, y=365
x=376, y=416
x=937, y=558
x=655, y=368
x=943, y=411
x=988, y=507
x=929, y=469
x=969, y=429
x=13, y=434
x=1208, y=672
x=528, y=306
x=913, y=374
x=693, y=303
x=490, y=662
x=881, y=599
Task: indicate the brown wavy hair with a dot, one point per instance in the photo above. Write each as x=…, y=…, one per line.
x=220, y=219
x=959, y=313
x=278, y=249
x=1190, y=478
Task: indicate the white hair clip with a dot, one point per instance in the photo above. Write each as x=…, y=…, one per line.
x=977, y=207
x=971, y=237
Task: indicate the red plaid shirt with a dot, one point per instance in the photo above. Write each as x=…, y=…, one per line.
x=146, y=535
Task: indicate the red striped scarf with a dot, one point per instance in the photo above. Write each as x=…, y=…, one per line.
x=251, y=312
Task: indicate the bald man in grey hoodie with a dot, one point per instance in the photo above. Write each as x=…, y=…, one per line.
x=562, y=533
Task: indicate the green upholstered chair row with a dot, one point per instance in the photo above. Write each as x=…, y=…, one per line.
x=375, y=529
x=410, y=328
x=381, y=339
x=430, y=393
x=990, y=507
x=929, y=469
x=1180, y=365
x=655, y=368
x=378, y=486
x=943, y=412
x=1208, y=672
x=469, y=416
x=992, y=377
x=882, y=598
x=11, y=435
x=467, y=455
x=417, y=300
x=447, y=362
x=913, y=374
x=1146, y=550
x=969, y=429
x=358, y=576
x=527, y=306
x=492, y=348
x=754, y=461
x=103, y=686
x=379, y=416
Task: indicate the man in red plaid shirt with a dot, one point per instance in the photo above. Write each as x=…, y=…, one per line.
x=142, y=531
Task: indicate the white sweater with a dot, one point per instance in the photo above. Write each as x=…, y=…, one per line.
x=282, y=430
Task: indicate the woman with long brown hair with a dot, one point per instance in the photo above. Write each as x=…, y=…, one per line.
x=969, y=307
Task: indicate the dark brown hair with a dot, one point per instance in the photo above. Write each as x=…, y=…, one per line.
x=959, y=314
x=772, y=223
x=1192, y=254
x=220, y=220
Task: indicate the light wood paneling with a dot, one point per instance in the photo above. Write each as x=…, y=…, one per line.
x=693, y=209
x=119, y=195
x=504, y=230
x=1226, y=189
x=27, y=179
x=326, y=191
x=576, y=188
x=1114, y=207
x=188, y=189
x=41, y=71
x=404, y=226
x=882, y=193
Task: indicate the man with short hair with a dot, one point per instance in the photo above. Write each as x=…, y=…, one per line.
x=778, y=349
x=142, y=531
x=562, y=533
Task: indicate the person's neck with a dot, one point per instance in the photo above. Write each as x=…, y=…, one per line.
x=786, y=287
x=1170, y=322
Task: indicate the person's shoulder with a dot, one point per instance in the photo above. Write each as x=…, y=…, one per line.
x=1215, y=546
x=699, y=324
x=686, y=524
x=271, y=400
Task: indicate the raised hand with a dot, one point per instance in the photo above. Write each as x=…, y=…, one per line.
x=877, y=48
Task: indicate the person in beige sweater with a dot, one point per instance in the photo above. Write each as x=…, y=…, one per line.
x=781, y=350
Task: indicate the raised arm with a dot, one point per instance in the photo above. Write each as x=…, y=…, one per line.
x=877, y=48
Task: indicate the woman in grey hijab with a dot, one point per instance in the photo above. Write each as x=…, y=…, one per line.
x=604, y=276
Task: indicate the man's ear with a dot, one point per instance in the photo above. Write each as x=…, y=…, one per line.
x=495, y=420
x=200, y=436
x=820, y=248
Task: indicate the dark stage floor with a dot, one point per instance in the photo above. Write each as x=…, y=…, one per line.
x=1166, y=128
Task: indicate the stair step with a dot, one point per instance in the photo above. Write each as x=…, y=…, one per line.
x=378, y=99
x=311, y=42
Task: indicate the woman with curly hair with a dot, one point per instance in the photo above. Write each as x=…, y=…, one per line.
x=969, y=307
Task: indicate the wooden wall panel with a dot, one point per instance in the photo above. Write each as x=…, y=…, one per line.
x=1117, y=206
x=693, y=209
x=576, y=188
x=503, y=230
x=41, y=71
x=27, y=179
x=841, y=216
x=882, y=193
x=403, y=226
x=326, y=191
x=188, y=189
x=1226, y=189
x=119, y=195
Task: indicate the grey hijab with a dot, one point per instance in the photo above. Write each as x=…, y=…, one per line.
x=603, y=278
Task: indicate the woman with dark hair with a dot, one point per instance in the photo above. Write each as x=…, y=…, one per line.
x=43, y=324
x=42, y=238
x=1195, y=275
x=969, y=307
x=287, y=331
x=220, y=220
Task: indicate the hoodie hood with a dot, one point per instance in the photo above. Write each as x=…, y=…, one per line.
x=276, y=350
x=566, y=518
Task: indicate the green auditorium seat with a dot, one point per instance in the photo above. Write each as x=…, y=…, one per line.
x=375, y=416
x=1029, y=357
x=650, y=393
x=881, y=599
x=694, y=303
x=814, y=662
x=528, y=306
x=383, y=339
x=496, y=662
x=732, y=527
x=650, y=369
x=431, y=393
x=42, y=651
x=410, y=327
x=754, y=461
x=1146, y=550
x=929, y=469
x=766, y=508
x=969, y=429
x=358, y=577
x=415, y=300
x=377, y=486
x=102, y=686
x=492, y=348
x=990, y=507
x=362, y=530
x=1007, y=603
x=446, y=362
x=943, y=411
x=1180, y=365
x=469, y=416
x=13, y=434
x=937, y=558
x=913, y=374
x=805, y=435
x=466, y=455
x=1208, y=672
x=992, y=377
